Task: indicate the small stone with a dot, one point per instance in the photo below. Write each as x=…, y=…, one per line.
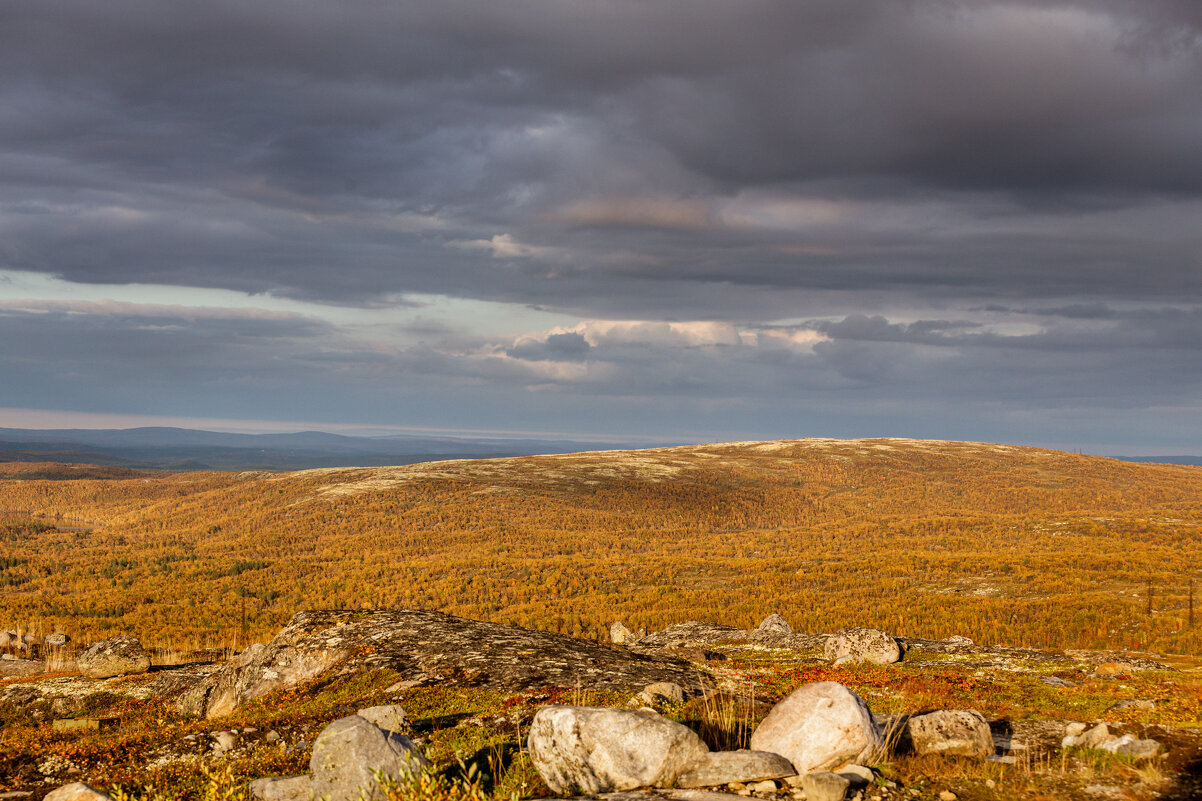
x=56, y=640
x=390, y=717
x=282, y=788
x=272, y=736
x=1055, y=681
x=1094, y=737
x=824, y=786
x=858, y=775
x=1134, y=705
x=990, y=783
x=765, y=786
x=662, y=691
x=947, y=795
x=224, y=742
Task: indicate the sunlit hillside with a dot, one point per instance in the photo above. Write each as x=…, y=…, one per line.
x=998, y=543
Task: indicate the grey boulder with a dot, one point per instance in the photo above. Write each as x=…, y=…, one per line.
x=819, y=727
x=953, y=732
x=824, y=786
x=662, y=692
x=121, y=655
x=56, y=640
x=867, y=645
x=351, y=752
x=775, y=622
x=724, y=767
x=597, y=750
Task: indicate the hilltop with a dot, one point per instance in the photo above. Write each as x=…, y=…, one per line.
x=1003, y=544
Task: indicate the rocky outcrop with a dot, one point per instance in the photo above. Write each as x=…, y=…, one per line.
x=724, y=767
x=863, y=645
x=819, y=727
x=597, y=750
x=698, y=634
x=352, y=754
x=953, y=732
x=426, y=648
x=121, y=655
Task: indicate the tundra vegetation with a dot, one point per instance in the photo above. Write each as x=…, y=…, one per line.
x=1001, y=544
x=1004, y=545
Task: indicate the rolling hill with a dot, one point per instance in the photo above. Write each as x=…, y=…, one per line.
x=1002, y=544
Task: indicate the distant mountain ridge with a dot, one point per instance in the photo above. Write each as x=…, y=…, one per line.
x=163, y=448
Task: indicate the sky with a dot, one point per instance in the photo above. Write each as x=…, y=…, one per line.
x=658, y=220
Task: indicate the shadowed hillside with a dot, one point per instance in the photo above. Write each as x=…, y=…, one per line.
x=1002, y=544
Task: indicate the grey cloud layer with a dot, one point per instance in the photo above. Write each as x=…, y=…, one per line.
x=939, y=217
x=333, y=152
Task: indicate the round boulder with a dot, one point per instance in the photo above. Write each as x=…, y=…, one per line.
x=597, y=750
x=866, y=645
x=121, y=655
x=819, y=727
x=351, y=752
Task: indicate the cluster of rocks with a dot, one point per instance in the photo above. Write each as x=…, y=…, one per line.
x=1100, y=737
x=817, y=739
x=15, y=644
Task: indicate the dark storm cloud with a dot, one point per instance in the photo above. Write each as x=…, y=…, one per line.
x=342, y=152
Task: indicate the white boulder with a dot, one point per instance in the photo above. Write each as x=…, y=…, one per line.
x=596, y=750
x=819, y=727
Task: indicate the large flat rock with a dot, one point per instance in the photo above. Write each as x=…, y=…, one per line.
x=427, y=648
